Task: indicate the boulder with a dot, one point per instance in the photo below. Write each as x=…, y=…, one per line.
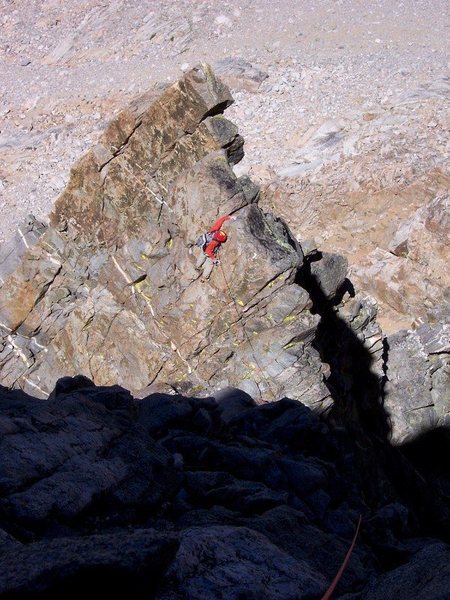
x=61, y=456
x=232, y=402
x=239, y=74
x=220, y=562
x=120, y=563
x=425, y=577
x=423, y=237
x=330, y=272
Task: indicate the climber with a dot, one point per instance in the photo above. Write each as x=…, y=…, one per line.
x=210, y=243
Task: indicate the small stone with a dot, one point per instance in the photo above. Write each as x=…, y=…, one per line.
x=223, y=20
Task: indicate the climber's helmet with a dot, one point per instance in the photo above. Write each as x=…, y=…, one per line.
x=221, y=236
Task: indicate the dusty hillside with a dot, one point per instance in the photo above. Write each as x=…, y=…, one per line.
x=65, y=70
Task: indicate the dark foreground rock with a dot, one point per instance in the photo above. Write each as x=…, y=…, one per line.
x=175, y=497
x=123, y=563
x=427, y=575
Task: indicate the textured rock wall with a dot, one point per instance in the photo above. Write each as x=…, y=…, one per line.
x=110, y=289
x=418, y=384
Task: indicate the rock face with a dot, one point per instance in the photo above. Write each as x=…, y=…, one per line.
x=417, y=389
x=105, y=288
x=175, y=497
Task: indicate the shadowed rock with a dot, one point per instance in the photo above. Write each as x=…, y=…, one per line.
x=121, y=563
x=175, y=496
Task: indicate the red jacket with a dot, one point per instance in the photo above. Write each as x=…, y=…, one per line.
x=219, y=237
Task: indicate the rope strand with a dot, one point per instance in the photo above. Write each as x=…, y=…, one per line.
x=335, y=581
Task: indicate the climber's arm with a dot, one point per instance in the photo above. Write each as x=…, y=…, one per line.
x=218, y=224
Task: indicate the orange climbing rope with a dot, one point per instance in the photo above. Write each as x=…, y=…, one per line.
x=335, y=581
x=239, y=314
